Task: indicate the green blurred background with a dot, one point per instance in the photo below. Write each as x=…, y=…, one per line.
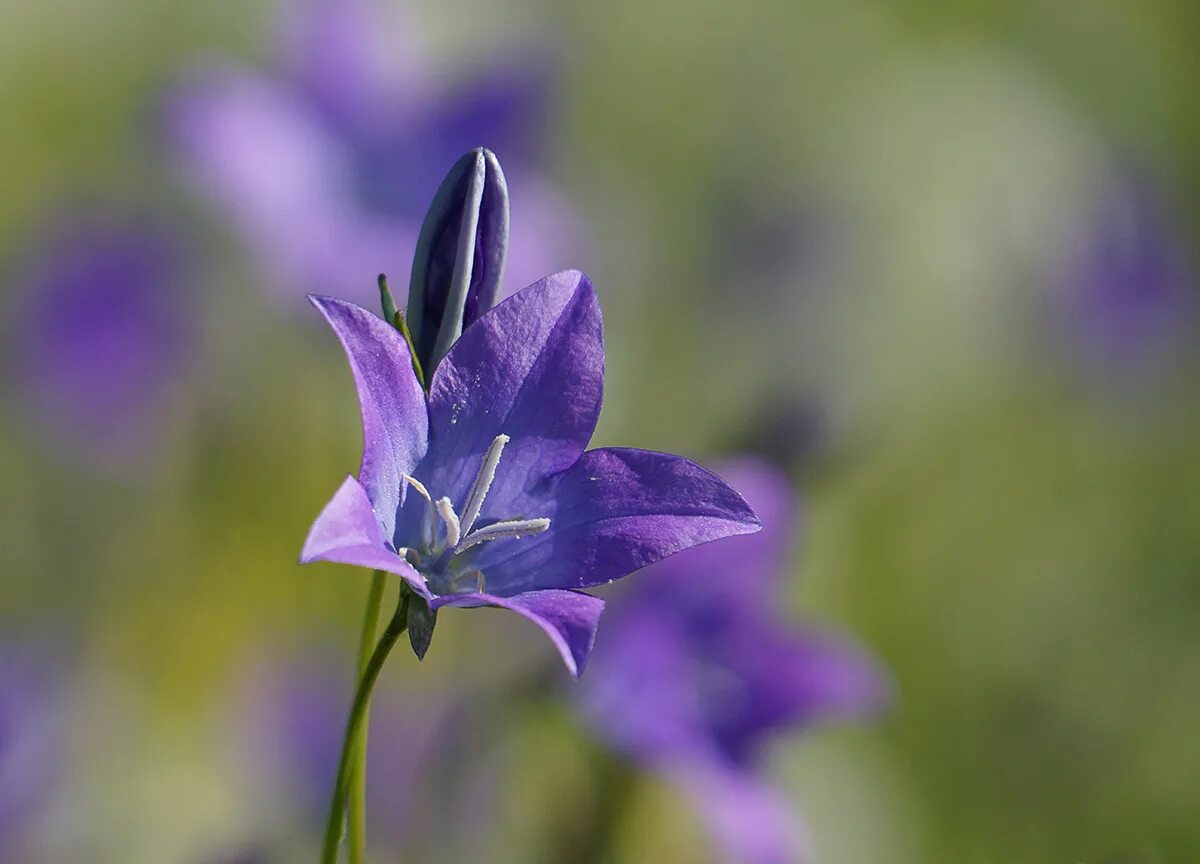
x=1009, y=522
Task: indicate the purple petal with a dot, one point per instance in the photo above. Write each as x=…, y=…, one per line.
x=394, y=415
x=256, y=148
x=740, y=570
x=640, y=695
x=348, y=532
x=101, y=334
x=819, y=677
x=262, y=155
x=569, y=618
x=780, y=679
x=337, y=54
x=504, y=109
x=753, y=822
x=617, y=510
x=531, y=368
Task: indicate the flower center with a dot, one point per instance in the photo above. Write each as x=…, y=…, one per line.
x=447, y=535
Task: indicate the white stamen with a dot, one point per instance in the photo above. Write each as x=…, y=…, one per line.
x=483, y=482
x=515, y=528
x=453, y=528
x=427, y=517
x=418, y=485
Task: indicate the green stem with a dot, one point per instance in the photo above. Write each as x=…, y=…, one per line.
x=354, y=725
x=357, y=816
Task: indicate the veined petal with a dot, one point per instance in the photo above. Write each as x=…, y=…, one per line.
x=394, y=414
x=569, y=618
x=532, y=368
x=740, y=571
x=348, y=532
x=615, y=511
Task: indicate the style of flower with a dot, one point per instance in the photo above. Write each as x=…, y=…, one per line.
x=329, y=159
x=480, y=492
x=103, y=333
x=697, y=673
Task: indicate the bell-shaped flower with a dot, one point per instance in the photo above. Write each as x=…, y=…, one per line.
x=481, y=492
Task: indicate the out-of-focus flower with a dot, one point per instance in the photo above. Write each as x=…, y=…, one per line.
x=482, y=493
x=326, y=163
x=31, y=748
x=293, y=725
x=698, y=671
x=1128, y=284
x=102, y=333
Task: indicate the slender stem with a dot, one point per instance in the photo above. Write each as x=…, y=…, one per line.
x=358, y=712
x=357, y=816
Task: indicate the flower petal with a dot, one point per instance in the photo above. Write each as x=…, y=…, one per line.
x=740, y=572
x=255, y=149
x=569, y=618
x=394, y=415
x=753, y=822
x=804, y=678
x=348, y=532
x=641, y=696
x=531, y=368
x=615, y=511
x=337, y=53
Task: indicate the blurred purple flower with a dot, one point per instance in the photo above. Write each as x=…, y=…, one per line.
x=326, y=164
x=101, y=333
x=294, y=724
x=697, y=671
x=1128, y=282
x=31, y=747
x=537, y=517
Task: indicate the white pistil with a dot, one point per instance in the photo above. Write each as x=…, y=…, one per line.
x=483, y=482
x=453, y=528
x=514, y=528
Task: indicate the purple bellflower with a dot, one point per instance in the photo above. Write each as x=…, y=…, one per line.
x=697, y=672
x=480, y=492
x=103, y=333
x=329, y=159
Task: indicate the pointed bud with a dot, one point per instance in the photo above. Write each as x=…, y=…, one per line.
x=421, y=621
x=459, y=261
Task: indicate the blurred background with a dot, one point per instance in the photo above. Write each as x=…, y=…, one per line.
x=936, y=261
